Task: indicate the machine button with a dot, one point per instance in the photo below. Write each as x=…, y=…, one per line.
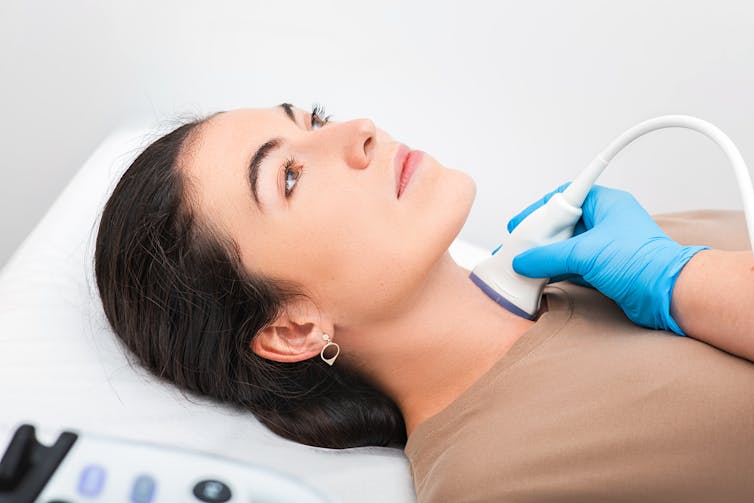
x=212, y=491
x=91, y=481
x=143, y=489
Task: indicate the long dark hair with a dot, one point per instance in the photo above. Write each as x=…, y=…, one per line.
x=176, y=294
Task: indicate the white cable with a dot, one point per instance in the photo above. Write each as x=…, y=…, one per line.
x=556, y=220
x=579, y=188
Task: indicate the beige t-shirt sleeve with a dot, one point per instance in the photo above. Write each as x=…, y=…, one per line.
x=719, y=229
x=587, y=406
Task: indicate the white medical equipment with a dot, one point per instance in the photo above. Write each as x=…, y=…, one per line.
x=101, y=469
x=556, y=220
x=62, y=368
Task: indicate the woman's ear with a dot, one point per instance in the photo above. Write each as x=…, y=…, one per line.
x=294, y=336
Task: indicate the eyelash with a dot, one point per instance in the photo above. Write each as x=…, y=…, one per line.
x=318, y=115
x=318, y=118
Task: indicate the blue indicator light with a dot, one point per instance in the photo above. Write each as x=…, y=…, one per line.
x=143, y=489
x=92, y=480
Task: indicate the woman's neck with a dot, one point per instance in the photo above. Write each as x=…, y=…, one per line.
x=450, y=335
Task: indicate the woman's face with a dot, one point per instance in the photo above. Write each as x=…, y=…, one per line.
x=340, y=231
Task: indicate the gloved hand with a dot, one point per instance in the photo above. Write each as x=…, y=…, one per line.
x=616, y=248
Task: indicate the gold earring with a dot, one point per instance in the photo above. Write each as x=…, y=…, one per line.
x=329, y=361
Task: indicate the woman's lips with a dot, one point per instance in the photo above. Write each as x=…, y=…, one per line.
x=405, y=164
x=400, y=158
x=409, y=168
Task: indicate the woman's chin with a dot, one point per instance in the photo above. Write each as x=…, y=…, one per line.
x=467, y=191
x=464, y=184
x=459, y=207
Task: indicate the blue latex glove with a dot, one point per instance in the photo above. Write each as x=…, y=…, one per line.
x=618, y=249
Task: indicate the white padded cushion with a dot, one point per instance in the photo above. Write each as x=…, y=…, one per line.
x=61, y=367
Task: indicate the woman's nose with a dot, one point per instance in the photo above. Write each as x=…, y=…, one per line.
x=359, y=142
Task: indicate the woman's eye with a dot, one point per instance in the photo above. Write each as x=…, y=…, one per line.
x=291, y=166
x=318, y=119
x=318, y=116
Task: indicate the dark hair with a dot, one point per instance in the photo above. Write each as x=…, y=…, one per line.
x=176, y=294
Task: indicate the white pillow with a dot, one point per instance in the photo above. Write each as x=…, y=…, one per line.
x=62, y=369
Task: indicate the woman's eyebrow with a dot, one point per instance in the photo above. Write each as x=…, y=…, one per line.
x=262, y=152
x=289, y=111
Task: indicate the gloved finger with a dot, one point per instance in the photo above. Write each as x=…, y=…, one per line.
x=580, y=227
x=549, y=260
x=604, y=202
x=513, y=222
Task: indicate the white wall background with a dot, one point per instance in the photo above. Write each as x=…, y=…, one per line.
x=521, y=95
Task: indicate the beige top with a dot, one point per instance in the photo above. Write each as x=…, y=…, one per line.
x=587, y=406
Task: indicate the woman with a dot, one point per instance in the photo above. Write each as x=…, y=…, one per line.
x=242, y=253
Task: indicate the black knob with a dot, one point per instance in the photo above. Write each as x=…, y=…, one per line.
x=28, y=465
x=212, y=491
x=16, y=459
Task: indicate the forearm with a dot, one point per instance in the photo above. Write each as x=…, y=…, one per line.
x=713, y=300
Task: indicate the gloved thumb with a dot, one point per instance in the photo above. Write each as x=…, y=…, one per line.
x=546, y=261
